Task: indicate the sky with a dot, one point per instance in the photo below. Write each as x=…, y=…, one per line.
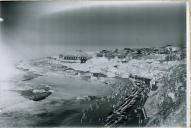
x=33, y=29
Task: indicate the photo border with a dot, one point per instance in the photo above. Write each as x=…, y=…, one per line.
x=188, y=44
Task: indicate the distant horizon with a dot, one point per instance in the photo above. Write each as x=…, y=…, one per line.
x=39, y=28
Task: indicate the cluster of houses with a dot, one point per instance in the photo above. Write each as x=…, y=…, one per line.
x=172, y=52
x=168, y=52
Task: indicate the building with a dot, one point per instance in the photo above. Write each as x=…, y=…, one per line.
x=99, y=75
x=75, y=57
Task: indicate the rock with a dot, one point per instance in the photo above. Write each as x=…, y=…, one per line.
x=36, y=94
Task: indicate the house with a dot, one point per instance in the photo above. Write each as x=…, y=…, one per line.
x=99, y=55
x=75, y=57
x=140, y=79
x=99, y=75
x=156, y=50
x=128, y=50
x=171, y=48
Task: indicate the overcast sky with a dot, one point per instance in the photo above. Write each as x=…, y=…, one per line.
x=44, y=28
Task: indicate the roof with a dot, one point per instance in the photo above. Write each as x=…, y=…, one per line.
x=78, y=53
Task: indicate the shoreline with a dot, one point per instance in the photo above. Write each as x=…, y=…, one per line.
x=42, y=72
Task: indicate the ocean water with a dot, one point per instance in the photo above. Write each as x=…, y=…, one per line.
x=74, y=101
